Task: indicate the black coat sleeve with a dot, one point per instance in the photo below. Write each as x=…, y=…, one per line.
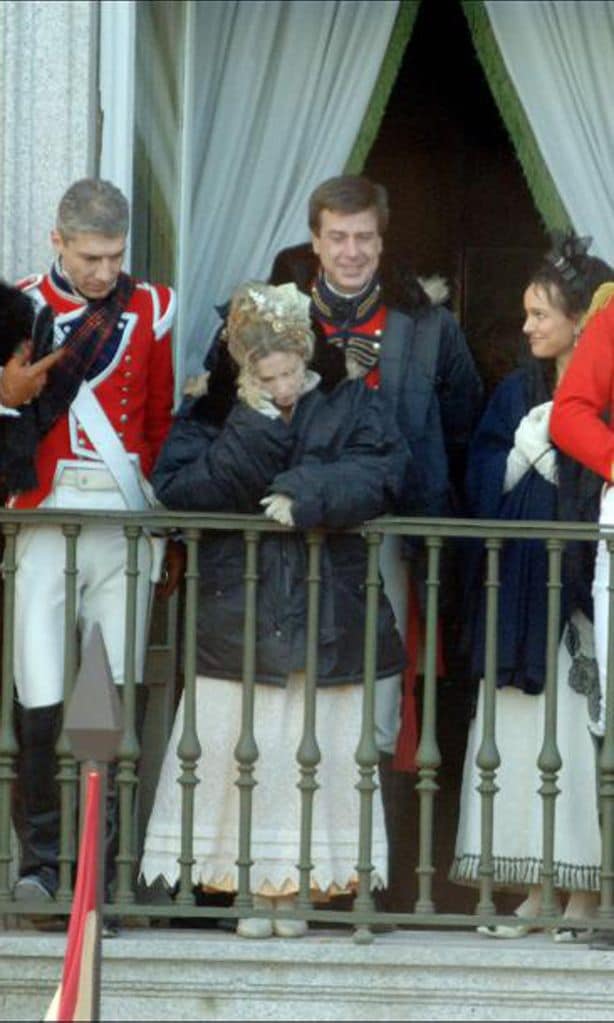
x=204, y=467
x=358, y=470
x=460, y=393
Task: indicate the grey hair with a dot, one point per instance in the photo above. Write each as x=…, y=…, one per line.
x=93, y=206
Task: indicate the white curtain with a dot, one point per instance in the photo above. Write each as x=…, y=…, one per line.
x=560, y=57
x=275, y=93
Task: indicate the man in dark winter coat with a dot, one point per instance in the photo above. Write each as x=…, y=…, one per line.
x=374, y=320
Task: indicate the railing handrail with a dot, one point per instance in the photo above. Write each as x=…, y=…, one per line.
x=455, y=528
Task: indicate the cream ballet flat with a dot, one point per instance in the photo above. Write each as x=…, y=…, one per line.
x=255, y=927
x=290, y=928
x=506, y=930
x=286, y=927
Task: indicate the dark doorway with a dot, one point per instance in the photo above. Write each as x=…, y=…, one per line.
x=460, y=204
x=460, y=207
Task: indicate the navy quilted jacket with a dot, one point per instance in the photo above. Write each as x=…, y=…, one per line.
x=342, y=462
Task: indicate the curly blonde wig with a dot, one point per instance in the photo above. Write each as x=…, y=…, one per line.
x=264, y=319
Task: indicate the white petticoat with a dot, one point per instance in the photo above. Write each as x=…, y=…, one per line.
x=276, y=799
x=518, y=820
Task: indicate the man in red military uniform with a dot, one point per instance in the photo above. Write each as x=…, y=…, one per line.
x=97, y=428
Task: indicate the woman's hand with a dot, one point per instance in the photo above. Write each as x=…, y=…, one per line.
x=250, y=392
x=279, y=508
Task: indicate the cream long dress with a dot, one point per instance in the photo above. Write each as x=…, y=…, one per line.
x=518, y=824
x=276, y=798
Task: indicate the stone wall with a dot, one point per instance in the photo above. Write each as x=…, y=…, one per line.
x=48, y=111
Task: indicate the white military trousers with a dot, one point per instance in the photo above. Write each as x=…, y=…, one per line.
x=601, y=603
x=101, y=589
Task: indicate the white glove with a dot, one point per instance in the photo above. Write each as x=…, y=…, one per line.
x=515, y=467
x=532, y=440
x=279, y=508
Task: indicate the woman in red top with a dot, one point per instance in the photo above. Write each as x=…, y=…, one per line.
x=581, y=426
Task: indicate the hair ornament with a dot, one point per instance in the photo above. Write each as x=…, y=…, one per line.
x=567, y=249
x=282, y=306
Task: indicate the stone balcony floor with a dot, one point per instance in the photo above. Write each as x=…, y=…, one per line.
x=185, y=974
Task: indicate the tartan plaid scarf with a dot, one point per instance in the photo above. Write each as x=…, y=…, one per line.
x=83, y=345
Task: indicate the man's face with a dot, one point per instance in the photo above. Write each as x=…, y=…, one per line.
x=349, y=246
x=91, y=262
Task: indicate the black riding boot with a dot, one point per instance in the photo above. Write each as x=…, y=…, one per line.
x=37, y=800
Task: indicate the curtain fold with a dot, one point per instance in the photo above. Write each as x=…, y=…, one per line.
x=559, y=55
x=278, y=94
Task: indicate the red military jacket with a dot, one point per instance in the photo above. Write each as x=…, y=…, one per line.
x=135, y=389
x=584, y=394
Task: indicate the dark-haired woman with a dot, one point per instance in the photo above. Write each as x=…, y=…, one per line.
x=514, y=472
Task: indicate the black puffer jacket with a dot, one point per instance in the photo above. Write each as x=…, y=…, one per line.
x=341, y=464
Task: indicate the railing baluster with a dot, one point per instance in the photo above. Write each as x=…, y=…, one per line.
x=189, y=748
x=246, y=750
x=366, y=752
x=128, y=752
x=68, y=771
x=488, y=759
x=549, y=760
x=8, y=741
x=308, y=755
x=428, y=757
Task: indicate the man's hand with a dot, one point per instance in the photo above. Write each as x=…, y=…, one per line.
x=173, y=570
x=21, y=380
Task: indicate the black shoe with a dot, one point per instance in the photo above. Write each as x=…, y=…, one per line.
x=111, y=927
x=50, y=923
x=32, y=887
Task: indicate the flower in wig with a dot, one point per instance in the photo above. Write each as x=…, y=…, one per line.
x=264, y=318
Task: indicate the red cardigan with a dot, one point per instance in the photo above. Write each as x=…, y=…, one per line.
x=585, y=393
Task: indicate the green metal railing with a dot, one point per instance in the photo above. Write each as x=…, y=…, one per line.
x=129, y=901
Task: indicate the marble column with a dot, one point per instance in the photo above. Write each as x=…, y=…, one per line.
x=49, y=117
